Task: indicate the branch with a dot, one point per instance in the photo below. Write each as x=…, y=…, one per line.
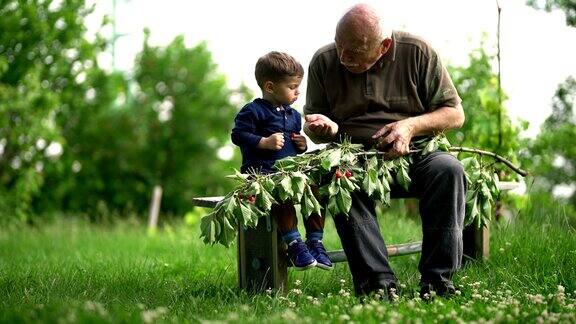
x=493, y=155
x=467, y=150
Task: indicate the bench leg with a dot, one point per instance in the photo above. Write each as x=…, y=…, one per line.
x=476, y=242
x=261, y=261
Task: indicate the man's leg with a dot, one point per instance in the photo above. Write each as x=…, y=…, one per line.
x=364, y=247
x=438, y=180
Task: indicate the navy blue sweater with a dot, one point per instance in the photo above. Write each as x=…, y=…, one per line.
x=260, y=119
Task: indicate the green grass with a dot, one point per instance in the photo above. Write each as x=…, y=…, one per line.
x=72, y=271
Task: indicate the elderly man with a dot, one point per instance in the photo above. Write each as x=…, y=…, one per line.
x=386, y=88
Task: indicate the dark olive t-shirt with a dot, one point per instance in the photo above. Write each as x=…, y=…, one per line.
x=408, y=80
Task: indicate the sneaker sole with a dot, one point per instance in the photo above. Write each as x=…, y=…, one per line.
x=311, y=265
x=324, y=267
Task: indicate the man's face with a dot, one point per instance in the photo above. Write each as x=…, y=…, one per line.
x=358, y=55
x=286, y=91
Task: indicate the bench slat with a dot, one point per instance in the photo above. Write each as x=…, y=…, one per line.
x=206, y=201
x=393, y=250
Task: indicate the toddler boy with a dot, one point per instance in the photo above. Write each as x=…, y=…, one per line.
x=268, y=129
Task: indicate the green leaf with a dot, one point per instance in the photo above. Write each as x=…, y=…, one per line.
x=298, y=184
x=228, y=232
x=370, y=182
x=285, y=189
x=403, y=178
x=485, y=191
x=334, y=157
x=430, y=147
x=332, y=209
x=344, y=201
x=207, y=229
x=265, y=200
x=268, y=184
x=243, y=213
x=229, y=205
x=486, y=211
x=216, y=226
x=444, y=144
x=472, y=211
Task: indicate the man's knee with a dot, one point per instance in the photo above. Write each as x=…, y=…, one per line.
x=448, y=165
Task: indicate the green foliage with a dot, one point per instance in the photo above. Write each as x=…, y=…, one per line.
x=349, y=169
x=551, y=157
x=477, y=85
x=568, y=6
x=42, y=53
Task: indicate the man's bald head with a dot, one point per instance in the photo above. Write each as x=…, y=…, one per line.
x=361, y=23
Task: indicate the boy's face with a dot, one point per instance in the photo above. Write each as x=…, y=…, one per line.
x=286, y=92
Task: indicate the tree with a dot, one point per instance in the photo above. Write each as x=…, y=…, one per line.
x=552, y=156
x=568, y=6
x=42, y=54
x=477, y=85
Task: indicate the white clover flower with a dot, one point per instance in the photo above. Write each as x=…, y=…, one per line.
x=344, y=293
x=297, y=292
x=344, y=317
x=357, y=309
x=297, y=282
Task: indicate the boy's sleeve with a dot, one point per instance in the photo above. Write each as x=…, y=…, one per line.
x=244, y=128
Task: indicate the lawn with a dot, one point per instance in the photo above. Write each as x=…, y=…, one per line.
x=69, y=270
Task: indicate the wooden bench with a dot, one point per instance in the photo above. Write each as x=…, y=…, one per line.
x=262, y=261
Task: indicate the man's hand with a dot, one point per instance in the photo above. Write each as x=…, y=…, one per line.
x=319, y=126
x=299, y=141
x=395, y=138
x=273, y=142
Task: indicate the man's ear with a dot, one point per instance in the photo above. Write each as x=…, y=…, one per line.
x=269, y=87
x=386, y=43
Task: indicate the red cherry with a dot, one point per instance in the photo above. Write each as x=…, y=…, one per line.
x=338, y=174
x=293, y=135
x=348, y=174
x=251, y=199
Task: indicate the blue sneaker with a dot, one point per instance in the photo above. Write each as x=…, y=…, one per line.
x=299, y=255
x=319, y=253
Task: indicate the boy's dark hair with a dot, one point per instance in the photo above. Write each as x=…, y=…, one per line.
x=275, y=66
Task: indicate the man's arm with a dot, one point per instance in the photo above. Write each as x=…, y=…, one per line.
x=439, y=120
x=400, y=133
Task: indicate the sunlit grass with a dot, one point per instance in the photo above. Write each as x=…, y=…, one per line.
x=73, y=271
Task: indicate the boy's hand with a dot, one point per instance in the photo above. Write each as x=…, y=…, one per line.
x=299, y=141
x=273, y=142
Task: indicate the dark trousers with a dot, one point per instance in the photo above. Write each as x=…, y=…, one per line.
x=438, y=181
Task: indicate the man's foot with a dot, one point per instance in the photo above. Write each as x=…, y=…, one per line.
x=444, y=289
x=300, y=256
x=319, y=253
x=388, y=291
